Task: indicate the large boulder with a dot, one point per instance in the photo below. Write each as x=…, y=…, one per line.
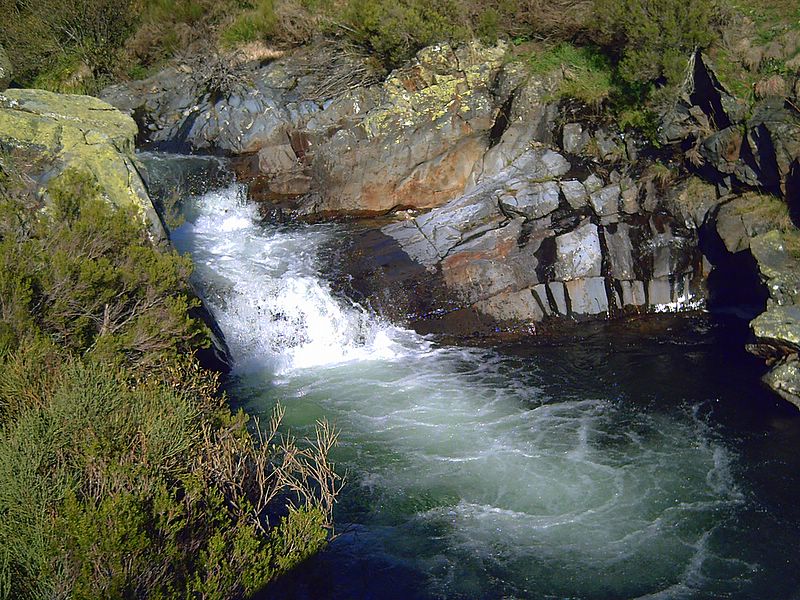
x=83, y=133
x=6, y=69
x=418, y=147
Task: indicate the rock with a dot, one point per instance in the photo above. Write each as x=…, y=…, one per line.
x=171, y=178
x=776, y=253
x=420, y=145
x=559, y=294
x=575, y=193
x=605, y=201
x=530, y=119
x=779, y=327
x=785, y=381
x=512, y=307
x=773, y=135
x=533, y=202
x=633, y=293
x=587, y=296
x=6, y=69
x=574, y=138
x=84, y=133
x=593, y=183
x=693, y=200
x=609, y=145
x=578, y=253
x=745, y=217
x=620, y=251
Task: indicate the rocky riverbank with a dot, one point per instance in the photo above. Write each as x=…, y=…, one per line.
x=507, y=208
x=511, y=209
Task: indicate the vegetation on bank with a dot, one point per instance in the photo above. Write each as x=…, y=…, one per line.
x=123, y=472
x=619, y=56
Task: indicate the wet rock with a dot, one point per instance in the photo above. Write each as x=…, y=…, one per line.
x=512, y=307
x=633, y=293
x=779, y=327
x=785, y=380
x=578, y=253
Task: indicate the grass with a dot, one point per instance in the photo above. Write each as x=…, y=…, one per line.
x=588, y=75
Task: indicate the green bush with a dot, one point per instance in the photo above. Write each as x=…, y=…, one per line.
x=47, y=40
x=653, y=38
x=587, y=73
x=122, y=471
x=396, y=29
x=257, y=23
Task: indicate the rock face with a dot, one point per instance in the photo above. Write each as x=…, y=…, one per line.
x=412, y=141
x=79, y=132
x=6, y=69
x=517, y=251
x=762, y=151
x=777, y=330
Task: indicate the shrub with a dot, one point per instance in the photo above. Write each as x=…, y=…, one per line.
x=653, y=38
x=587, y=73
x=396, y=29
x=39, y=35
x=122, y=471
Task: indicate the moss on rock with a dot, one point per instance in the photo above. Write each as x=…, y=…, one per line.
x=84, y=133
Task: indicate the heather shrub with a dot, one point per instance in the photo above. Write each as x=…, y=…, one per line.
x=653, y=38
x=123, y=473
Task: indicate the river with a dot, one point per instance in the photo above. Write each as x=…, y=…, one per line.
x=622, y=461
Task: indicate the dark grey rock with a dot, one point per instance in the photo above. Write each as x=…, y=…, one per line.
x=574, y=138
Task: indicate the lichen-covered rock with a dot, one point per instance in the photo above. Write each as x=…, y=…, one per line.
x=418, y=147
x=6, y=69
x=80, y=132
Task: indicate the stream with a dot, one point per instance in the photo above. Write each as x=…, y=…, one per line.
x=638, y=460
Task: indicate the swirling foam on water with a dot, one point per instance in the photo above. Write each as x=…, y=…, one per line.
x=461, y=469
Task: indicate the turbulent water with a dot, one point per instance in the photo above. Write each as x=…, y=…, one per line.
x=594, y=471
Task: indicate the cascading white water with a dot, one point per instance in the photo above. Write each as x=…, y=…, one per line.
x=463, y=475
